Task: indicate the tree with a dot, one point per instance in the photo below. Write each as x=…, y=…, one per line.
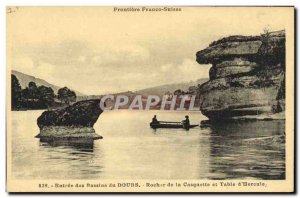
x=15, y=92
x=31, y=91
x=32, y=97
x=66, y=95
x=46, y=95
x=32, y=85
x=178, y=92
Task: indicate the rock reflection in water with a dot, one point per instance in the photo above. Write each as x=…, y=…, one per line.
x=238, y=152
x=71, y=158
x=72, y=148
x=82, y=144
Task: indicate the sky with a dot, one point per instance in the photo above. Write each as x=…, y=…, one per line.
x=95, y=50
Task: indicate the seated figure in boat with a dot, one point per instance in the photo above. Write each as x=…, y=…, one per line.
x=154, y=120
x=186, y=122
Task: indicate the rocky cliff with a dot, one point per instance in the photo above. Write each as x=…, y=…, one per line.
x=247, y=77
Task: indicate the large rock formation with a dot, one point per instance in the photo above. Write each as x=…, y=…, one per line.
x=80, y=114
x=247, y=76
x=75, y=121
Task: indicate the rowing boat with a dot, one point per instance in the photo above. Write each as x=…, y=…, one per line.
x=165, y=124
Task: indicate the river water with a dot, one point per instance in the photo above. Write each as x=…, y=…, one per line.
x=130, y=149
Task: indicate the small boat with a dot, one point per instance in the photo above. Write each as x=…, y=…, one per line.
x=165, y=124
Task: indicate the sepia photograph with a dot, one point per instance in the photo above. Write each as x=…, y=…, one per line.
x=150, y=99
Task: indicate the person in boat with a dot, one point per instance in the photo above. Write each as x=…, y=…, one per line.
x=186, y=122
x=154, y=120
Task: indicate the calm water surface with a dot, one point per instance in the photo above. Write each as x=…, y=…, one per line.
x=130, y=149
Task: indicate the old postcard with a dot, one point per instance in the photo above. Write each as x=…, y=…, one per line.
x=150, y=99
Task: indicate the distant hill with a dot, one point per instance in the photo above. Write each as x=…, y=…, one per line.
x=157, y=90
x=162, y=89
x=24, y=79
